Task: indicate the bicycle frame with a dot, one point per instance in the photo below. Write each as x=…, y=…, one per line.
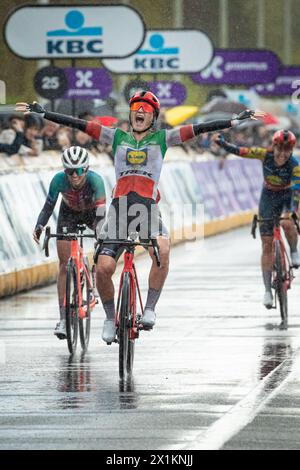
x=76, y=254
x=284, y=256
x=129, y=268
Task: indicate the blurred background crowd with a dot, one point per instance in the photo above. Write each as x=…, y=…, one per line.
x=31, y=135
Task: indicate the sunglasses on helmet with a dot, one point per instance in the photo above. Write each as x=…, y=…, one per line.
x=78, y=171
x=147, y=108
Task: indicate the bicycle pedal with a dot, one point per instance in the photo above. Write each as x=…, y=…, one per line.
x=61, y=336
x=146, y=328
x=283, y=326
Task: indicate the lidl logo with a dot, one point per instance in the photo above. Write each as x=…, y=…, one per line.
x=76, y=37
x=136, y=157
x=273, y=179
x=157, y=55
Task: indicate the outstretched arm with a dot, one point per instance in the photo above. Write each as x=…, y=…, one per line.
x=47, y=210
x=184, y=133
x=223, y=123
x=258, y=153
x=54, y=117
x=92, y=128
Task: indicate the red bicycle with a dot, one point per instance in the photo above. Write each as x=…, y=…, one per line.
x=80, y=287
x=282, y=272
x=128, y=321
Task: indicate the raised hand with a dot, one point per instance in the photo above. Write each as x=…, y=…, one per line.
x=28, y=108
x=250, y=114
x=217, y=138
x=37, y=233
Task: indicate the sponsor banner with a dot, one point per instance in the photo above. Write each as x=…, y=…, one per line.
x=88, y=83
x=239, y=67
x=286, y=83
x=172, y=51
x=50, y=82
x=212, y=203
x=225, y=189
x=57, y=32
x=252, y=170
x=2, y=92
x=169, y=93
x=183, y=184
x=240, y=185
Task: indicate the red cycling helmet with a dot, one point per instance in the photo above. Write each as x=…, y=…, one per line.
x=147, y=97
x=285, y=138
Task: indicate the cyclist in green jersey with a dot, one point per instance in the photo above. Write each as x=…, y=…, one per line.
x=138, y=157
x=83, y=202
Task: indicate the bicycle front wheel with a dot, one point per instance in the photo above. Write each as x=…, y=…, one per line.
x=280, y=285
x=124, y=327
x=86, y=293
x=71, y=307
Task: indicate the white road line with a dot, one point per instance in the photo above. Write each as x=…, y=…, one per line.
x=245, y=410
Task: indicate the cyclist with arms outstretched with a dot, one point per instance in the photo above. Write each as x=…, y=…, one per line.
x=138, y=158
x=83, y=202
x=280, y=194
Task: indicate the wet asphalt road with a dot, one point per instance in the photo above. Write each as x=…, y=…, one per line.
x=215, y=373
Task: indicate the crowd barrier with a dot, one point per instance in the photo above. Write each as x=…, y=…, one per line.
x=228, y=195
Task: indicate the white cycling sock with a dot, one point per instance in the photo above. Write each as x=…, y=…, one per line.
x=152, y=298
x=109, y=308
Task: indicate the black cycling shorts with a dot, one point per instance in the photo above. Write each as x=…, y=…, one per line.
x=130, y=214
x=68, y=219
x=272, y=204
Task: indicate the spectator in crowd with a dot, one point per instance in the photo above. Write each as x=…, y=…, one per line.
x=64, y=137
x=49, y=136
x=124, y=125
x=162, y=122
x=8, y=131
x=86, y=115
x=32, y=144
x=27, y=139
x=11, y=142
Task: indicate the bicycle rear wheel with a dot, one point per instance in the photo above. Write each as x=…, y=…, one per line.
x=280, y=286
x=71, y=307
x=86, y=292
x=124, y=341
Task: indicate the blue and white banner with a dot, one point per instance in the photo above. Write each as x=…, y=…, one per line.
x=57, y=32
x=173, y=51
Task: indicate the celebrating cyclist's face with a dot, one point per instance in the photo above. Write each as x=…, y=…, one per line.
x=282, y=154
x=76, y=177
x=141, y=115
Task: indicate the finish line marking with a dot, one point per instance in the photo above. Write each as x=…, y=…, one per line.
x=245, y=410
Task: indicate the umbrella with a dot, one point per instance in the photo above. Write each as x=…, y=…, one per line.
x=179, y=114
x=108, y=121
x=269, y=118
x=223, y=105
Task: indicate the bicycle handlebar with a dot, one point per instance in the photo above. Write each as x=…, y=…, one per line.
x=129, y=243
x=73, y=236
x=256, y=220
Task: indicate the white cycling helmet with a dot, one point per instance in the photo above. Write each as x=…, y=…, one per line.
x=75, y=157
